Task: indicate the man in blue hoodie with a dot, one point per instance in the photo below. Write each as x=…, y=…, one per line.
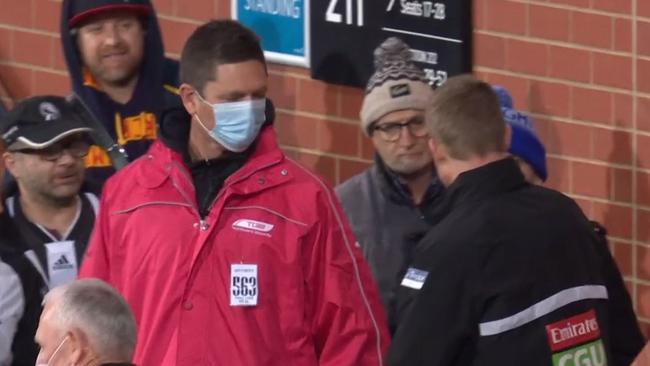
x=115, y=56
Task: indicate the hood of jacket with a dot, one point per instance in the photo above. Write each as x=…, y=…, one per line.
x=153, y=64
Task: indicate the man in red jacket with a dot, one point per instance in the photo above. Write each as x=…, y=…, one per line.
x=228, y=252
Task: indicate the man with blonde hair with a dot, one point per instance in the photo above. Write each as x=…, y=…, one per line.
x=85, y=322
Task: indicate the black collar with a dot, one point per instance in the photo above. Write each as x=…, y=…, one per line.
x=488, y=180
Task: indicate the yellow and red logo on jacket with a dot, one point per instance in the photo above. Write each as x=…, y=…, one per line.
x=134, y=128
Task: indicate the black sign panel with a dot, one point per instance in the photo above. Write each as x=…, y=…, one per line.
x=344, y=34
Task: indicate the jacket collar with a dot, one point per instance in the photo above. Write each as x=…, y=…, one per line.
x=486, y=181
x=392, y=187
x=171, y=149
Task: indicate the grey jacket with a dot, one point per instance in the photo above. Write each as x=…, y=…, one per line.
x=387, y=224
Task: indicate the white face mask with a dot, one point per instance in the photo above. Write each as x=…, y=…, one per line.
x=53, y=354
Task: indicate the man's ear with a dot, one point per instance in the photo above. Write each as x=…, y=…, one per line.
x=190, y=98
x=436, y=149
x=80, y=347
x=9, y=161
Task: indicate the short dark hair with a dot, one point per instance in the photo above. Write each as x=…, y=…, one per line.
x=465, y=117
x=215, y=43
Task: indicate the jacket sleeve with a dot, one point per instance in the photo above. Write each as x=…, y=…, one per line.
x=440, y=320
x=348, y=322
x=626, y=337
x=12, y=306
x=96, y=260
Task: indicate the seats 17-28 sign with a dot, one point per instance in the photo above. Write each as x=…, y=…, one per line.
x=344, y=34
x=282, y=25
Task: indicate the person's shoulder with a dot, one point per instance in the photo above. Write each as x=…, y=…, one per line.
x=353, y=186
x=171, y=75
x=131, y=174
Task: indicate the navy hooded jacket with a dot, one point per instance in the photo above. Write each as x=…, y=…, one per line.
x=134, y=124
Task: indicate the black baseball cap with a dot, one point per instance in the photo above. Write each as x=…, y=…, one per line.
x=82, y=10
x=38, y=122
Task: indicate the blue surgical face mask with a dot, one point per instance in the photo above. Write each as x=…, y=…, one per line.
x=237, y=124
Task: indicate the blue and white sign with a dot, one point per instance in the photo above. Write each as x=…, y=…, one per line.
x=283, y=26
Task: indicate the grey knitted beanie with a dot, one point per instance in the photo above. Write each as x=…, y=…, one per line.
x=397, y=83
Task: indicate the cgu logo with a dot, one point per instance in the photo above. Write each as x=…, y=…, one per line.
x=590, y=354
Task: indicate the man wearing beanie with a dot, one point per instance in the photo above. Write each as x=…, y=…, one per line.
x=529, y=152
x=390, y=205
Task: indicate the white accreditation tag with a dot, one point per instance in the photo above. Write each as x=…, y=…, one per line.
x=61, y=262
x=414, y=278
x=244, y=287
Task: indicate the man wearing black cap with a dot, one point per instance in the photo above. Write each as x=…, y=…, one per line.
x=115, y=56
x=44, y=211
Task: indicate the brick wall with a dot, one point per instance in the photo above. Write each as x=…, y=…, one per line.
x=581, y=67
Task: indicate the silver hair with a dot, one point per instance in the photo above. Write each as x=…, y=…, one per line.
x=100, y=312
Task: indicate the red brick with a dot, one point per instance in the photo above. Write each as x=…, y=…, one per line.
x=47, y=15
x=569, y=64
x=283, y=91
x=590, y=180
x=643, y=300
x=549, y=23
x=297, y=131
x=223, y=9
x=6, y=48
x=622, y=35
x=350, y=168
x=617, y=219
x=324, y=166
x=38, y=52
x=569, y=139
x=623, y=116
x=175, y=33
x=577, y=3
x=643, y=9
x=643, y=262
x=338, y=138
x=558, y=174
x=50, y=83
x=16, y=12
x=592, y=105
x=490, y=51
x=614, y=6
x=612, y=146
x=351, y=101
x=196, y=10
x=622, y=190
x=526, y=57
x=623, y=256
x=643, y=75
x=612, y=70
x=549, y=98
x=17, y=81
x=478, y=14
x=592, y=30
x=643, y=151
x=164, y=7
x=643, y=110
x=643, y=38
x=318, y=97
x=643, y=229
x=505, y=16
x=516, y=85
x=643, y=189
x=367, y=148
